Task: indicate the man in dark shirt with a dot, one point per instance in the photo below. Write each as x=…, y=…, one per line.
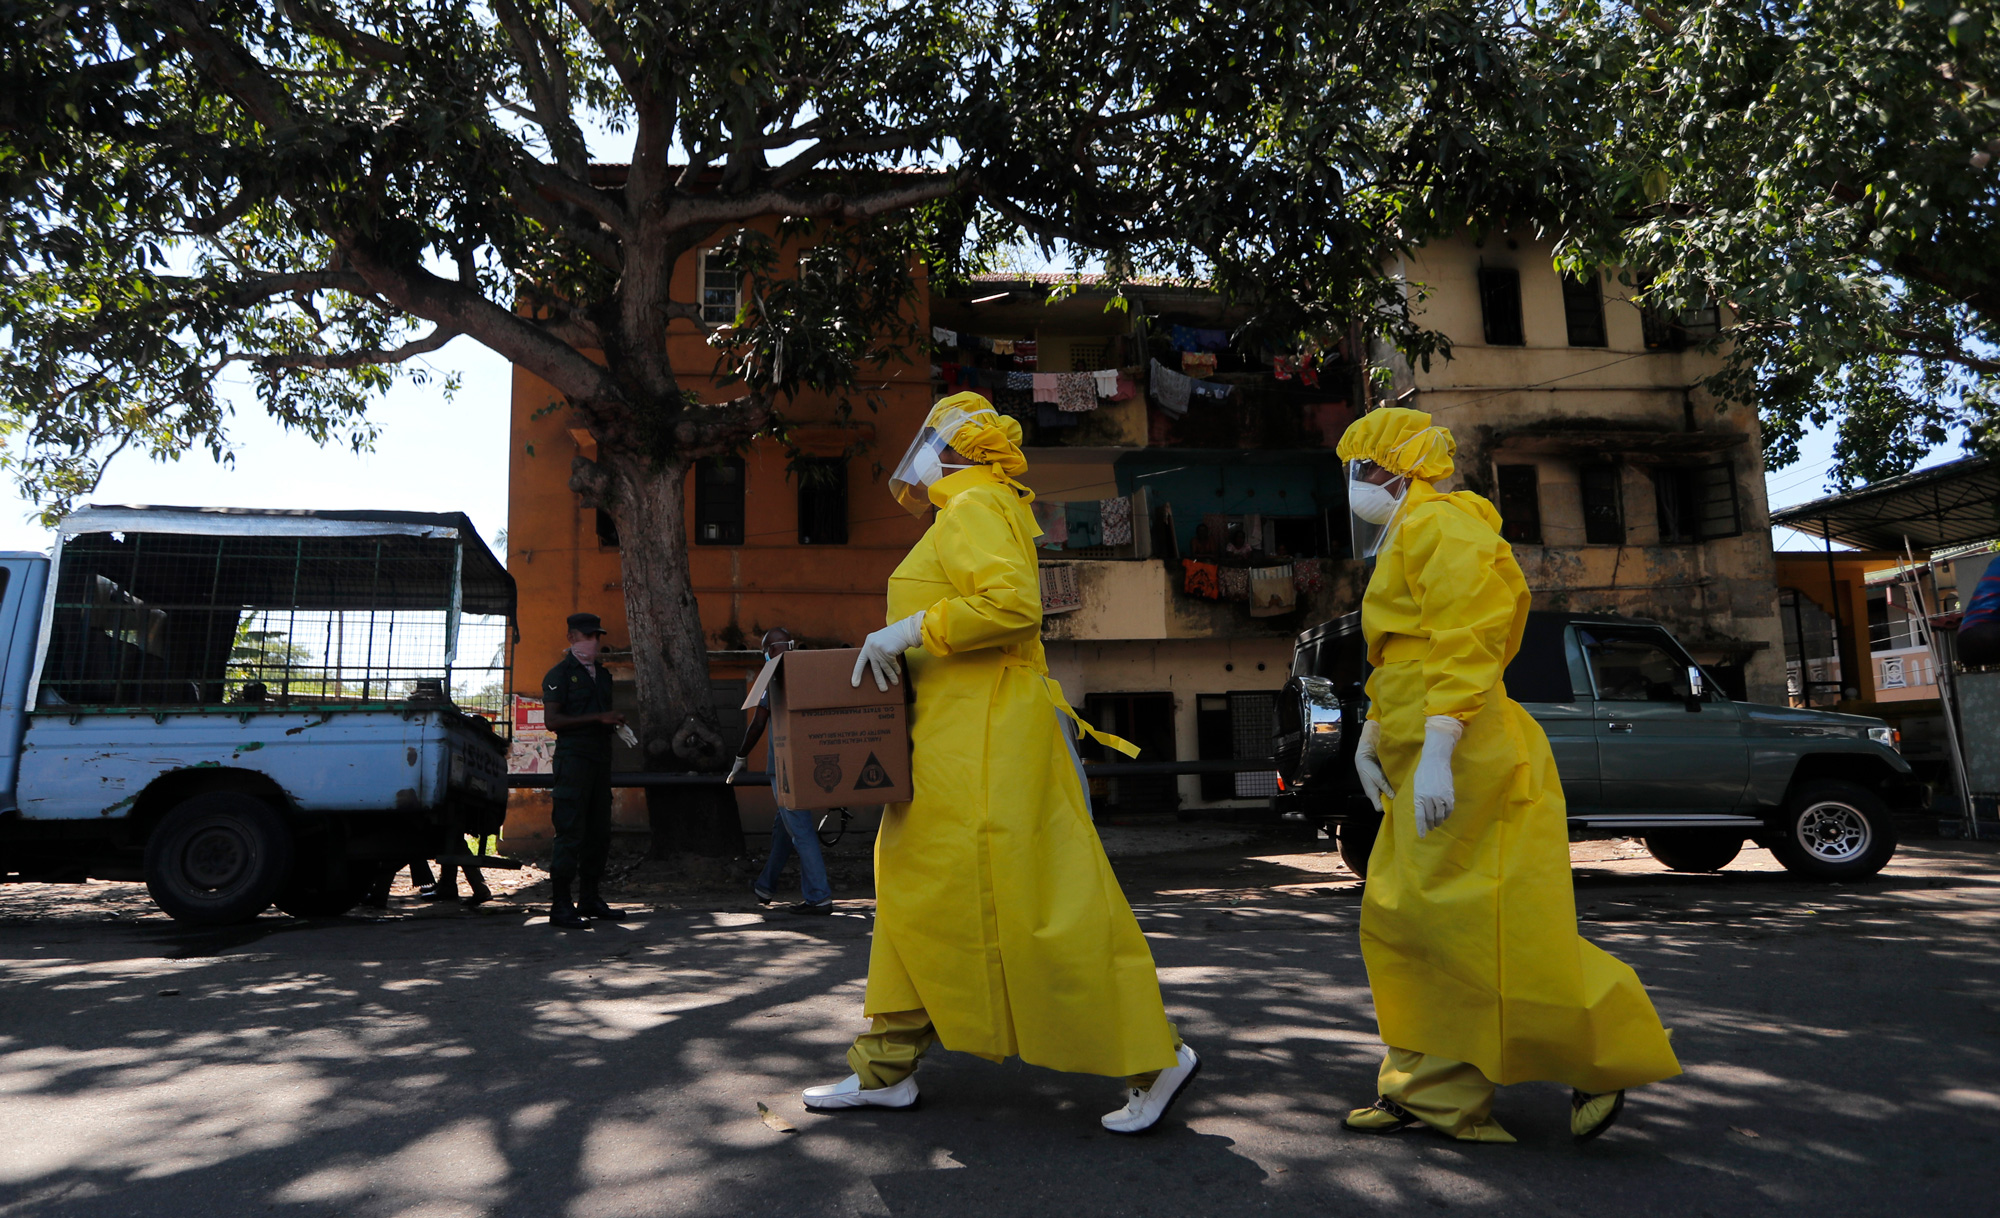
x=576, y=706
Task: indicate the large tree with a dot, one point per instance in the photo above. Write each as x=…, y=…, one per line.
x=314, y=193
x=1827, y=169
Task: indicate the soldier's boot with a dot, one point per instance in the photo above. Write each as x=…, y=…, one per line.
x=591, y=905
x=561, y=911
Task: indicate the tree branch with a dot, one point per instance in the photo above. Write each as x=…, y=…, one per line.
x=350, y=359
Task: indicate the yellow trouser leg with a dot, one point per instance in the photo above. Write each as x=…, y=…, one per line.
x=1144, y=1082
x=887, y=1052
x=1450, y=1096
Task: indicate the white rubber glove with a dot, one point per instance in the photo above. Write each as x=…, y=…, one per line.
x=736, y=771
x=1432, y=788
x=885, y=647
x=1374, y=783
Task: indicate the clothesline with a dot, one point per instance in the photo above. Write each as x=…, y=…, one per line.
x=1019, y=348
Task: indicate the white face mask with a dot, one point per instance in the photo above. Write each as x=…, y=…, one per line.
x=1374, y=504
x=585, y=649
x=927, y=468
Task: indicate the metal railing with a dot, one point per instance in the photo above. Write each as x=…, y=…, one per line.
x=1121, y=769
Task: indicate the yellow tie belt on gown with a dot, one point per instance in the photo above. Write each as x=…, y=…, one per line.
x=1403, y=648
x=1054, y=690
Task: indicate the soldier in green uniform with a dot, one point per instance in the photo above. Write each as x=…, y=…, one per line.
x=576, y=706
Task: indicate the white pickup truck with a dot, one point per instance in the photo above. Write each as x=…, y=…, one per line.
x=247, y=707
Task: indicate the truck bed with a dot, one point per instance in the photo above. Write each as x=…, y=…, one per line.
x=84, y=764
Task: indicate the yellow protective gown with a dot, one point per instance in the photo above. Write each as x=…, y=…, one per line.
x=996, y=911
x=1469, y=933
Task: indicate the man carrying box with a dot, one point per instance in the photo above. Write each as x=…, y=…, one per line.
x=792, y=829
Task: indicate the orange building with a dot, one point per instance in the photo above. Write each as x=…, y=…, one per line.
x=1193, y=505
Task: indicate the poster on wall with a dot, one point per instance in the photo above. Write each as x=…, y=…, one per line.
x=534, y=748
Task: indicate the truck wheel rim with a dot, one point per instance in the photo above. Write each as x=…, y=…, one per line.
x=1834, y=832
x=215, y=857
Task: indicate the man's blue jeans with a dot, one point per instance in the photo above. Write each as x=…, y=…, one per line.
x=794, y=830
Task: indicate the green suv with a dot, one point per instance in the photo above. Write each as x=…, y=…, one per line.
x=1647, y=744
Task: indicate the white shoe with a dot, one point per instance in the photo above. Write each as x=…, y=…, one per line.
x=847, y=1093
x=1143, y=1109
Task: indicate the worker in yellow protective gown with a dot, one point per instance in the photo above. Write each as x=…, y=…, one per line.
x=1000, y=929
x=1468, y=920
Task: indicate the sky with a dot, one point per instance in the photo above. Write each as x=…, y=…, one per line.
x=431, y=456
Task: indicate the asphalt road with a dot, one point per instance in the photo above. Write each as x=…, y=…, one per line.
x=1842, y=1047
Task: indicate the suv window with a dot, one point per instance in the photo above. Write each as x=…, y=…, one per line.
x=1635, y=666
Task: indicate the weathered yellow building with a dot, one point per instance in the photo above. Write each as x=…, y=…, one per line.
x=1626, y=488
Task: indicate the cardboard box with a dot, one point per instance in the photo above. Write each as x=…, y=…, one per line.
x=833, y=745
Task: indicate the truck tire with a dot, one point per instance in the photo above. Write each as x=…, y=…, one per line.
x=1833, y=830
x=1357, y=841
x=218, y=858
x=1698, y=850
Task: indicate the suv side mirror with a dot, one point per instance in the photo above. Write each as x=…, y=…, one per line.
x=1697, y=688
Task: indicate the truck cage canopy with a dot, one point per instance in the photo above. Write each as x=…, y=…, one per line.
x=247, y=607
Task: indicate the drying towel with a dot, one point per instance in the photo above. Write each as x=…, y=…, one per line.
x=1086, y=524
x=1117, y=515
x=1076, y=392
x=1045, y=386
x=1198, y=363
x=1235, y=583
x=1054, y=523
x=1107, y=383
x=1124, y=387
x=1199, y=579
x=943, y=337
x=1170, y=389
x=1021, y=380
x=1014, y=403
x=1059, y=592
x=1306, y=575
x=1047, y=415
x=1188, y=338
x=1024, y=351
x=1271, y=591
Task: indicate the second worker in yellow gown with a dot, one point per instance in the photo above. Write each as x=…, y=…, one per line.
x=1468, y=919
x=1000, y=929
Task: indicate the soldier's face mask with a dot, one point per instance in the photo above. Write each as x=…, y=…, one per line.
x=585, y=648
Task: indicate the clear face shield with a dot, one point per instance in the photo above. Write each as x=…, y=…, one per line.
x=923, y=464
x=1370, y=508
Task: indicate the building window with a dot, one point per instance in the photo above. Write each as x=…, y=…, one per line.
x=1500, y=306
x=1697, y=503
x=1520, y=505
x=1583, y=310
x=822, y=501
x=607, y=530
x=1086, y=357
x=1603, y=506
x=718, y=502
x=719, y=287
x=1237, y=727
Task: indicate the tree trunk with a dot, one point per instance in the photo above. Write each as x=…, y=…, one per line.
x=677, y=723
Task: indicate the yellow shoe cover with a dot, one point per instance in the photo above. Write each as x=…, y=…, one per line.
x=1383, y=1116
x=1590, y=1115
x=1387, y=1116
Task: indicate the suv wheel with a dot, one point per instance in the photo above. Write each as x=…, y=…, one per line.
x=1357, y=841
x=1834, y=830
x=218, y=858
x=1697, y=850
